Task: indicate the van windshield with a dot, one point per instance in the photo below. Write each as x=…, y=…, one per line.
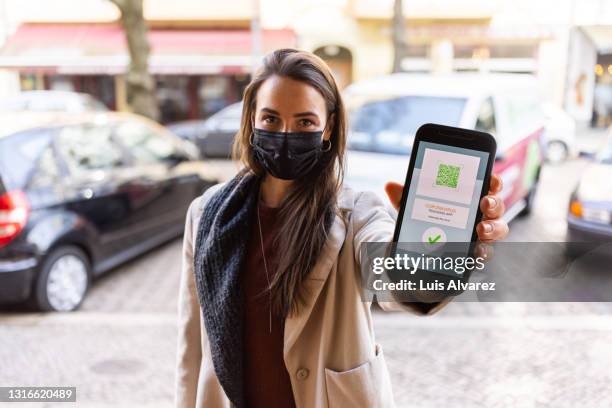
x=389, y=125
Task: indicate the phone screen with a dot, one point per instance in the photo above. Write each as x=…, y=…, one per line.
x=444, y=195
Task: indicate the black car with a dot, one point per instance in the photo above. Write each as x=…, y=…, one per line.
x=215, y=135
x=80, y=197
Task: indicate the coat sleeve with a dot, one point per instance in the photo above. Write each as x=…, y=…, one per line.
x=189, y=350
x=374, y=222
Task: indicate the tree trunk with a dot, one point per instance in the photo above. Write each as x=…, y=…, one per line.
x=400, y=46
x=140, y=85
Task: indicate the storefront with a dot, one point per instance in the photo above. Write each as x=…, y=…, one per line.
x=592, y=79
x=197, y=71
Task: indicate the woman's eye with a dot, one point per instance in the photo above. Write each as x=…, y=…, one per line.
x=306, y=122
x=269, y=120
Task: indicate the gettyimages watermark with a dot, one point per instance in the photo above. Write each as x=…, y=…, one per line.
x=430, y=271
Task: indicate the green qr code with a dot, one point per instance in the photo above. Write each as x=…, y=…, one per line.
x=448, y=176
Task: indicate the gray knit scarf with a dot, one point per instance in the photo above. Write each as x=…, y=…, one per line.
x=220, y=250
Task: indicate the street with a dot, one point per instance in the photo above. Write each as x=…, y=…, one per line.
x=119, y=348
x=118, y=113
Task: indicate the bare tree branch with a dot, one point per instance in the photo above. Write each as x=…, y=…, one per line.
x=140, y=84
x=400, y=45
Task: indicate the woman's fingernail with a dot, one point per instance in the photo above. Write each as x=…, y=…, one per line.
x=487, y=227
x=491, y=201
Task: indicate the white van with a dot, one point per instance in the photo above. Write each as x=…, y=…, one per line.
x=385, y=112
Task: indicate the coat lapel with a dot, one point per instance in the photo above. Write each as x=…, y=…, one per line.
x=318, y=276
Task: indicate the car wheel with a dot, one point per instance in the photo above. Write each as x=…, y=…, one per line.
x=556, y=152
x=63, y=281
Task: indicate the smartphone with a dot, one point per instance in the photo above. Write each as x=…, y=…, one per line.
x=449, y=172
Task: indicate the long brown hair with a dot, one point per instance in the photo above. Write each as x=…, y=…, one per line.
x=306, y=214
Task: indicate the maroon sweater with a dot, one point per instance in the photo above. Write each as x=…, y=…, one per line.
x=266, y=380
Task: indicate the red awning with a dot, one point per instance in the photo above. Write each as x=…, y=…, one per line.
x=101, y=48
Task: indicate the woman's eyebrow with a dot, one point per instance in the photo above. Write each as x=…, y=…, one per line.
x=297, y=115
x=271, y=111
x=302, y=114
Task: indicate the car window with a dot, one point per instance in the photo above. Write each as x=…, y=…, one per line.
x=146, y=144
x=87, y=148
x=389, y=125
x=227, y=119
x=47, y=172
x=524, y=113
x=231, y=112
x=486, y=117
x=186, y=131
x=19, y=154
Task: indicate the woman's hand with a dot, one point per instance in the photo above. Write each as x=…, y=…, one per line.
x=491, y=228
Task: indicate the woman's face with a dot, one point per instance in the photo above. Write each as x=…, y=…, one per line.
x=287, y=105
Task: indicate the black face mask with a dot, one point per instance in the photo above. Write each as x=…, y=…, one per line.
x=288, y=155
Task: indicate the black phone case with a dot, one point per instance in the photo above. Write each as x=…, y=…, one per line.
x=450, y=136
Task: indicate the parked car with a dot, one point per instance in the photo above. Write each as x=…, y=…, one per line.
x=52, y=101
x=589, y=216
x=81, y=195
x=559, y=134
x=215, y=135
x=385, y=112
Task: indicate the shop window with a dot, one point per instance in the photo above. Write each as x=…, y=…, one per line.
x=214, y=94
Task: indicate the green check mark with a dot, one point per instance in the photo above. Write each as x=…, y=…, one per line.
x=435, y=239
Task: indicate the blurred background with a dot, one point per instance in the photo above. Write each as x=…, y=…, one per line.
x=116, y=114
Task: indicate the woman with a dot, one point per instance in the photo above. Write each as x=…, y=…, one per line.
x=270, y=312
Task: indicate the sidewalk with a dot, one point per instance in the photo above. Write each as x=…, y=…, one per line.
x=469, y=355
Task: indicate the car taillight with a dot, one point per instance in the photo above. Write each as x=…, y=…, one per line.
x=14, y=211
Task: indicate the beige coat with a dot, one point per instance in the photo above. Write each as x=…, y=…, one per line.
x=330, y=351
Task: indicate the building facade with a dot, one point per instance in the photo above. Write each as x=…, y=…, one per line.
x=203, y=50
